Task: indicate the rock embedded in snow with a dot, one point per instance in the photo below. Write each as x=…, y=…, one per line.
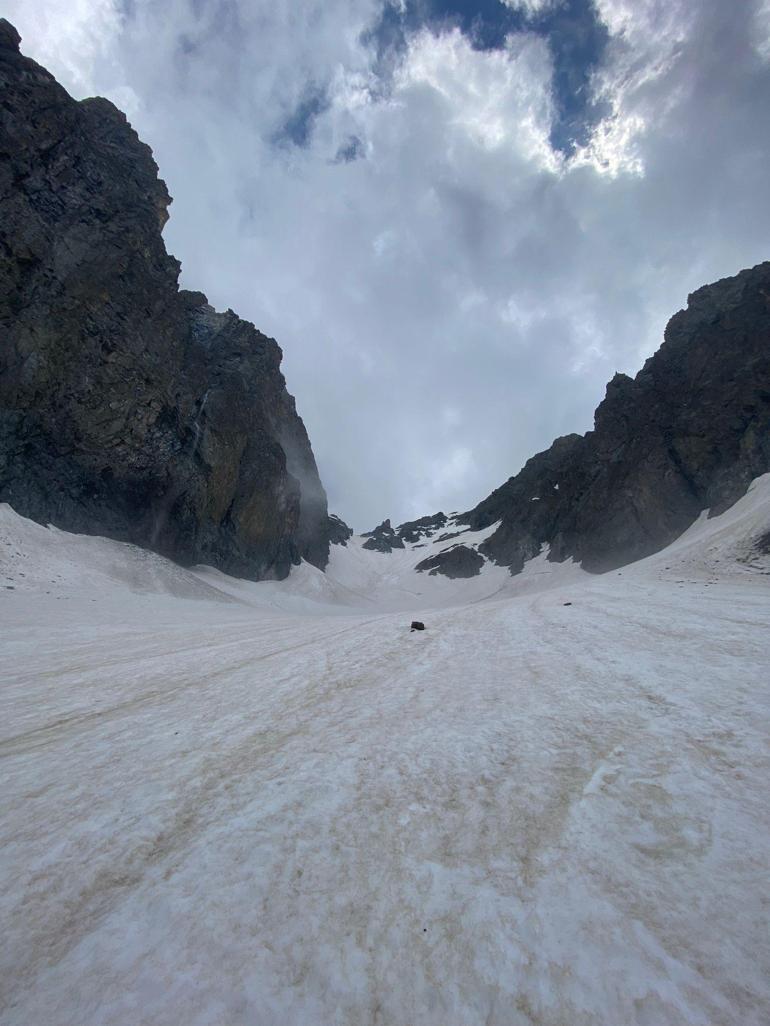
x=458, y=561
x=414, y=530
x=129, y=408
x=448, y=535
x=383, y=538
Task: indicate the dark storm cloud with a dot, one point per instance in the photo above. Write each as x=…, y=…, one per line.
x=543, y=184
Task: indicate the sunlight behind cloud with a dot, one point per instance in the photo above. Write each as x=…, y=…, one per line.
x=499, y=97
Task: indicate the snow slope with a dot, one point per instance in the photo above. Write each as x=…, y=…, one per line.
x=235, y=803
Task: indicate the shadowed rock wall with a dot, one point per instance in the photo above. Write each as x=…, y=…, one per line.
x=690, y=431
x=130, y=408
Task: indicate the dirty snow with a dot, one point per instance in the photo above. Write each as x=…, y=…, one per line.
x=235, y=803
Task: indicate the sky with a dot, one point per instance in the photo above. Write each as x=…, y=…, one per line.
x=457, y=218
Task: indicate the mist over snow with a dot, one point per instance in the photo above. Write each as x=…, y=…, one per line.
x=458, y=220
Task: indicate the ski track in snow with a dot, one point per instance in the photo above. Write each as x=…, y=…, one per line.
x=234, y=803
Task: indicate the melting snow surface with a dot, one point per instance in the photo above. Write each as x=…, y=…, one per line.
x=228, y=803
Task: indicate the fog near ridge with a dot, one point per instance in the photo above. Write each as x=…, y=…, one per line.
x=449, y=290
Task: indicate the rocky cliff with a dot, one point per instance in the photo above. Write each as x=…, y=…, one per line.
x=130, y=408
x=689, y=432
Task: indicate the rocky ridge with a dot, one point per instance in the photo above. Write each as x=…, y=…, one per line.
x=339, y=532
x=689, y=432
x=385, y=538
x=128, y=407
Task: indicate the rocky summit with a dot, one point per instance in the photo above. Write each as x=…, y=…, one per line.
x=688, y=433
x=128, y=407
x=385, y=538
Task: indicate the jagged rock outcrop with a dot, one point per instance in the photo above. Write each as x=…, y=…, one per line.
x=339, y=532
x=385, y=538
x=128, y=407
x=457, y=561
x=690, y=431
x=414, y=530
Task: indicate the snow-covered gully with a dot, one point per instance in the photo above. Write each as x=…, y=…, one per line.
x=232, y=803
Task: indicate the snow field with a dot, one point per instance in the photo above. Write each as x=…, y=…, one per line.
x=234, y=803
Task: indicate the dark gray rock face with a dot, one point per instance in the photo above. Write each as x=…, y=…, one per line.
x=339, y=532
x=690, y=431
x=130, y=408
x=458, y=561
x=383, y=538
x=413, y=530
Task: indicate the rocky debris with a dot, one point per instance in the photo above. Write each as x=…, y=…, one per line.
x=339, y=532
x=417, y=625
x=130, y=408
x=457, y=561
x=690, y=431
x=383, y=538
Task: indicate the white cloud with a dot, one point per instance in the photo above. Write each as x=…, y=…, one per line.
x=532, y=7
x=497, y=98
x=761, y=30
x=72, y=41
x=647, y=39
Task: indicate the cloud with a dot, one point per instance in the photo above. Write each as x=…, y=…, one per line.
x=452, y=284
x=297, y=129
x=353, y=149
x=761, y=30
x=532, y=8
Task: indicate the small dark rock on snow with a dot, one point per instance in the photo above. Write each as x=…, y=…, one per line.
x=417, y=625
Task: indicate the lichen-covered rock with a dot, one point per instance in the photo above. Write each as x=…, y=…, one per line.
x=690, y=431
x=128, y=407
